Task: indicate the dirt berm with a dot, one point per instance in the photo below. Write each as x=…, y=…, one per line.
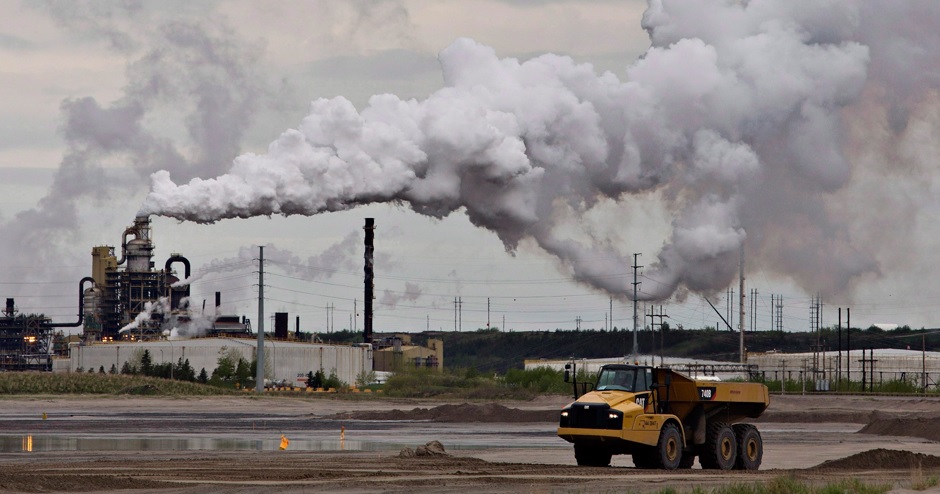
x=882, y=459
x=462, y=413
x=923, y=426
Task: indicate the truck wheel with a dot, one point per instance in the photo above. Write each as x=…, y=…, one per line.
x=669, y=448
x=591, y=456
x=721, y=447
x=750, y=447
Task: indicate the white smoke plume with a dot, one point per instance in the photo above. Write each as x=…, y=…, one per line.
x=340, y=256
x=194, y=327
x=161, y=306
x=735, y=117
x=194, y=69
x=391, y=299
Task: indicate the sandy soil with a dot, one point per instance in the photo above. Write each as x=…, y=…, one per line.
x=230, y=444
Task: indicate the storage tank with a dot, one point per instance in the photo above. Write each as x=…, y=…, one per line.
x=139, y=255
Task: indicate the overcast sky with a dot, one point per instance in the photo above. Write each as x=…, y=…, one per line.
x=98, y=95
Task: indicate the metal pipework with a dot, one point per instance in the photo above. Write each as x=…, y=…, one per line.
x=141, y=224
x=178, y=258
x=81, y=307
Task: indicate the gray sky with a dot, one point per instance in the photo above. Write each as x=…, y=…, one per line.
x=98, y=95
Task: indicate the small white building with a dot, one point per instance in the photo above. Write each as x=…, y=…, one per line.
x=877, y=365
x=284, y=360
x=696, y=368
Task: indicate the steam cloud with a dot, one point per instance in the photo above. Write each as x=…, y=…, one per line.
x=391, y=299
x=735, y=117
x=339, y=256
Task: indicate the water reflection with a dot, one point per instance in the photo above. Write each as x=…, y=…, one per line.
x=40, y=443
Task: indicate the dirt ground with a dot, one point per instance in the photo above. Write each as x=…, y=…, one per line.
x=231, y=444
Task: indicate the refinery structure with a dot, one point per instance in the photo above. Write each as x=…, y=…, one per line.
x=123, y=289
x=130, y=305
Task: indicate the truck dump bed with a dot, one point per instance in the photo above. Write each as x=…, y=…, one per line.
x=738, y=400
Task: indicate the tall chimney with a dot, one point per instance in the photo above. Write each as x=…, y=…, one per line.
x=218, y=303
x=369, y=284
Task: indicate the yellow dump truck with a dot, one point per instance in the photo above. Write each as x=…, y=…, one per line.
x=664, y=419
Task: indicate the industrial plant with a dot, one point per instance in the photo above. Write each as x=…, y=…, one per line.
x=128, y=305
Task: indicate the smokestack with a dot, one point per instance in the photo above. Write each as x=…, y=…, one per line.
x=370, y=276
x=10, y=307
x=218, y=303
x=280, y=325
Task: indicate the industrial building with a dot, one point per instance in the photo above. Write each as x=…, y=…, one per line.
x=397, y=353
x=284, y=361
x=691, y=367
x=821, y=370
x=876, y=365
x=130, y=285
x=128, y=306
x=25, y=340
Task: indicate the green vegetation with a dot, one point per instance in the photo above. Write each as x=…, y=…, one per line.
x=470, y=384
x=465, y=384
x=319, y=380
x=47, y=383
x=498, y=351
x=921, y=483
x=789, y=485
x=894, y=386
x=141, y=363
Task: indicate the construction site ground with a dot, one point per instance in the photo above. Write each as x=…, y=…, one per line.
x=232, y=444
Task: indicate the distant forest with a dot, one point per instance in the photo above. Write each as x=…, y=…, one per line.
x=491, y=350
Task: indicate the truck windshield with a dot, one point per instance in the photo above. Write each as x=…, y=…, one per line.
x=616, y=379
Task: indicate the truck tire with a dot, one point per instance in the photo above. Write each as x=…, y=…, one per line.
x=720, y=449
x=591, y=456
x=750, y=447
x=669, y=449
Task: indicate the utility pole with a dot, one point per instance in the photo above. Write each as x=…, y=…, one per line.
x=455, y=314
x=487, y=313
x=577, y=323
x=848, y=345
x=460, y=312
x=839, y=360
x=611, y=313
x=662, y=336
x=741, y=307
x=259, y=373
x=635, y=284
x=923, y=361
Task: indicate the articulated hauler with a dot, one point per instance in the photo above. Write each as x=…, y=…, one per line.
x=664, y=419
